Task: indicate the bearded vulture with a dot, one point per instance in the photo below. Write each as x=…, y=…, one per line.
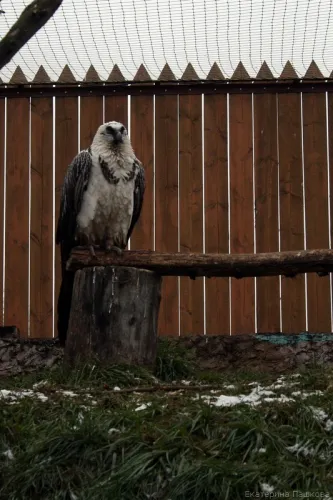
x=101, y=201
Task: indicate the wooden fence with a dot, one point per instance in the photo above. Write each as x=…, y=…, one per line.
x=226, y=172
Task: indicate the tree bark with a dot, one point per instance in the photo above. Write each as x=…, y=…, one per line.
x=34, y=16
x=223, y=265
x=114, y=316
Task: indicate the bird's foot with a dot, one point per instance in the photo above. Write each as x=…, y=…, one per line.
x=115, y=249
x=92, y=251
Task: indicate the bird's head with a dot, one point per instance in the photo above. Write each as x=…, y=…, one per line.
x=114, y=133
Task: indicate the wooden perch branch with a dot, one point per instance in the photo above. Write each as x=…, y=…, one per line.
x=34, y=16
x=222, y=265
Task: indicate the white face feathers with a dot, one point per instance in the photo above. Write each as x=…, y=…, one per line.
x=114, y=133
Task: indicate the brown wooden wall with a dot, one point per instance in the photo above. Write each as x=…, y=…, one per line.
x=225, y=173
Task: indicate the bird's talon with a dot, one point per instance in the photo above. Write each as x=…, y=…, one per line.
x=92, y=252
x=115, y=250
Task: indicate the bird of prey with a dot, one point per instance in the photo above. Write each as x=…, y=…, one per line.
x=101, y=201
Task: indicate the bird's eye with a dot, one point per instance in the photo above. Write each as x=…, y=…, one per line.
x=109, y=130
x=122, y=130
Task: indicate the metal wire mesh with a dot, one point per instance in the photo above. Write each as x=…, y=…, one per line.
x=153, y=32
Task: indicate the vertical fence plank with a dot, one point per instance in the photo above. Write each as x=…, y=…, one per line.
x=17, y=214
x=291, y=207
x=116, y=109
x=316, y=206
x=330, y=146
x=241, y=209
x=216, y=209
x=142, y=115
x=41, y=226
x=191, y=209
x=91, y=117
x=2, y=173
x=166, y=203
x=266, y=206
x=66, y=147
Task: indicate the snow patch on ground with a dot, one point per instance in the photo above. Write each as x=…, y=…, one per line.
x=282, y=383
x=41, y=396
x=113, y=430
x=322, y=417
x=261, y=394
x=298, y=448
x=14, y=396
x=306, y=394
x=80, y=419
x=142, y=407
x=307, y=451
x=42, y=383
x=71, y=394
x=266, y=488
x=8, y=454
x=257, y=396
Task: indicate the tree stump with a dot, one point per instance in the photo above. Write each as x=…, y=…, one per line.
x=114, y=316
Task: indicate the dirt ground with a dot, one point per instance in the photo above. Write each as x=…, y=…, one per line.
x=264, y=353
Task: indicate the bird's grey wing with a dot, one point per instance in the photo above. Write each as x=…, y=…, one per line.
x=139, y=190
x=75, y=184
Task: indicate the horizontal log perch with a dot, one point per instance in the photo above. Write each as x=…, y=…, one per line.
x=220, y=265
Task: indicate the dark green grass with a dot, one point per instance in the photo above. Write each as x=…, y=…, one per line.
x=177, y=448
x=173, y=362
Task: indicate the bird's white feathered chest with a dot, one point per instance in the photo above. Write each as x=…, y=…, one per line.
x=107, y=205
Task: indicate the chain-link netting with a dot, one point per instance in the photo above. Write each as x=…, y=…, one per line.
x=152, y=32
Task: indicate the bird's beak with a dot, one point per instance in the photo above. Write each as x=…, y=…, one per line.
x=118, y=139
